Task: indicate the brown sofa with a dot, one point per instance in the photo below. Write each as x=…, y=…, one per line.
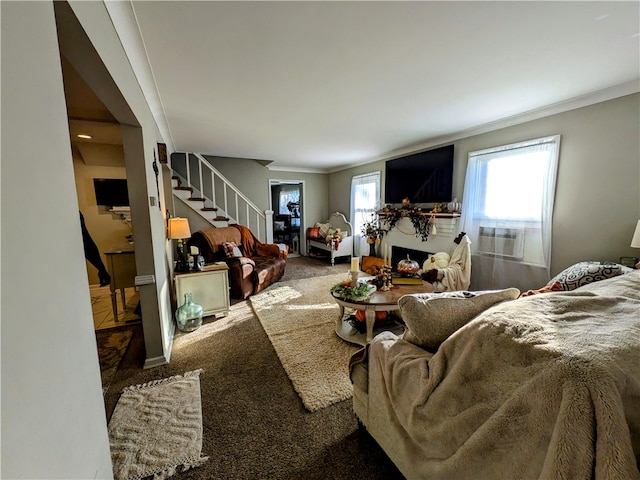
x=260, y=265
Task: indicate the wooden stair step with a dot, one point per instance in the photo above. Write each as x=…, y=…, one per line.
x=209, y=209
x=188, y=189
x=198, y=199
x=221, y=219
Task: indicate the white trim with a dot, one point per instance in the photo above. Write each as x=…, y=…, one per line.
x=156, y=361
x=298, y=169
x=303, y=209
x=125, y=22
x=599, y=96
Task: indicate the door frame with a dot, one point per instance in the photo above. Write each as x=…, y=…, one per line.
x=303, y=244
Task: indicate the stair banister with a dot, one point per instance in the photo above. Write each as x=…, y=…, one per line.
x=267, y=216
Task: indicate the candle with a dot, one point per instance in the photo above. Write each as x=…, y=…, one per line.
x=194, y=250
x=354, y=264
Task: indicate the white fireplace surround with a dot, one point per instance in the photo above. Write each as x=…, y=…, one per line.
x=404, y=235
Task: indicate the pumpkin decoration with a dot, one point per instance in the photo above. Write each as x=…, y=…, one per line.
x=435, y=261
x=361, y=316
x=408, y=266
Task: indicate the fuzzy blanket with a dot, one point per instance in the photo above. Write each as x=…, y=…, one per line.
x=253, y=247
x=543, y=387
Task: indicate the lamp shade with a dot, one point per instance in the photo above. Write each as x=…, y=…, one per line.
x=178, y=228
x=635, y=241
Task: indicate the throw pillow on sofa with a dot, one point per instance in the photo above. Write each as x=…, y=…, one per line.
x=231, y=249
x=583, y=273
x=431, y=318
x=313, y=232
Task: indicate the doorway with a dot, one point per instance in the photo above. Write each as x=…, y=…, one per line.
x=287, y=203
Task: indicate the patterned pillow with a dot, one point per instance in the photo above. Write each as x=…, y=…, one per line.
x=324, y=228
x=313, y=232
x=231, y=249
x=583, y=273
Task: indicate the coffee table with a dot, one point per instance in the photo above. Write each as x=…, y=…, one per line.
x=379, y=301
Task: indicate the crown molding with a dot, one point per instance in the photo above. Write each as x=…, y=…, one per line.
x=586, y=100
x=125, y=23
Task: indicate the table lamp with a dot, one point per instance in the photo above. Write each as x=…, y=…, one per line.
x=635, y=241
x=179, y=230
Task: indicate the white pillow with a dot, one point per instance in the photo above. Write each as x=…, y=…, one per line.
x=431, y=318
x=278, y=226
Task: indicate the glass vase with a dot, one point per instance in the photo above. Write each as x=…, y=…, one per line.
x=189, y=315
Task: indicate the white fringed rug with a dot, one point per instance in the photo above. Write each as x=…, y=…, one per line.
x=299, y=318
x=156, y=428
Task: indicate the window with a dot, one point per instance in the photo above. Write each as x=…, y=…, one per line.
x=365, y=197
x=288, y=193
x=508, y=201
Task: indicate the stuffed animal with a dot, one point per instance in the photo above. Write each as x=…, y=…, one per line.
x=335, y=239
x=436, y=261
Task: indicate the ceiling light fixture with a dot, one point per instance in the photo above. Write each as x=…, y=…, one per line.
x=83, y=135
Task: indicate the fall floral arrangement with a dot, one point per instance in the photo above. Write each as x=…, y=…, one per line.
x=353, y=290
x=372, y=230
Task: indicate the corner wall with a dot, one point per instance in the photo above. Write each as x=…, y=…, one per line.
x=53, y=417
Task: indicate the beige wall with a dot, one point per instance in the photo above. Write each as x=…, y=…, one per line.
x=107, y=230
x=53, y=417
x=598, y=187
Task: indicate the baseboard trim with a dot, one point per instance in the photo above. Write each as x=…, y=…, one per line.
x=155, y=362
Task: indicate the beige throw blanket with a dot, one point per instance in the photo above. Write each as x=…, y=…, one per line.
x=457, y=275
x=544, y=387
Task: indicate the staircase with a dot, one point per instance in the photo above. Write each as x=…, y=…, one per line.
x=200, y=186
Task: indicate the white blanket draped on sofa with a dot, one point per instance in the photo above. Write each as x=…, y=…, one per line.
x=543, y=387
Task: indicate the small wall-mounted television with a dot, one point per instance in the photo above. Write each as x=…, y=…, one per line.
x=111, y=192
x=425, y=177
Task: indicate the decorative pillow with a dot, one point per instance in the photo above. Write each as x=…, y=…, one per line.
x=231, y=249
x=313, y=232
x=278, y=226
x=583, y=273
x=431, y=318
x=324, y=228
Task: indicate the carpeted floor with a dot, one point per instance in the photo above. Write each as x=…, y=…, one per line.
x=254, y=423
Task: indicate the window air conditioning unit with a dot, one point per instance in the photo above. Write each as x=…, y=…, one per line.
x=501, y=242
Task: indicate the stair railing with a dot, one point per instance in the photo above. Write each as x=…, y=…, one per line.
x=242, y=210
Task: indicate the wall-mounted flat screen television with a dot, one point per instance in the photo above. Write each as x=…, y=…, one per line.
x=425, y=177
x=111, y=192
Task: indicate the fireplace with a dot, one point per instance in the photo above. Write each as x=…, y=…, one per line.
x=400, y=253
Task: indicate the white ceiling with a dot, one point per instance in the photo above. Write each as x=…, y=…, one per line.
x=330, y=84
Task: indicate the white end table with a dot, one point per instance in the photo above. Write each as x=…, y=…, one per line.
x=209, y=288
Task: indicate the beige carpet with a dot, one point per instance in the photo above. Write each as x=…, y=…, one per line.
x=299, y=318
x=156, y=428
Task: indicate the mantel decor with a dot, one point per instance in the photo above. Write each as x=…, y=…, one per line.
x=423, y=220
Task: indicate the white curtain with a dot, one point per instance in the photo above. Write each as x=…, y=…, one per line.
x=507, y=213
x=365, y=199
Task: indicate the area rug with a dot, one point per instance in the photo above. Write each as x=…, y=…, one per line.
x=299, y=318
x=112, y=345
x=156, y=428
